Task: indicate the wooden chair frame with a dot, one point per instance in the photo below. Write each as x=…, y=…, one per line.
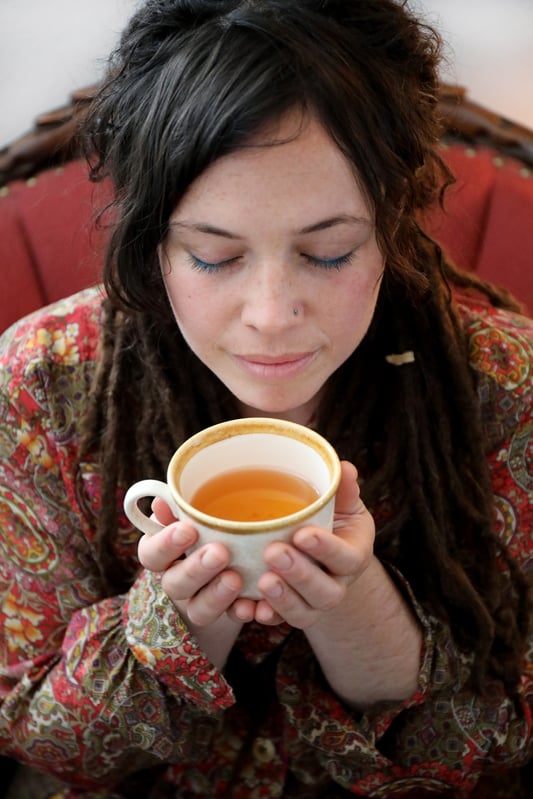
x=54, y=139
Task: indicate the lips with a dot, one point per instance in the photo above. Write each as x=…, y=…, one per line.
x=275, y=366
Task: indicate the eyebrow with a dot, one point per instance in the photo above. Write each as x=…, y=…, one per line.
x=344, y=219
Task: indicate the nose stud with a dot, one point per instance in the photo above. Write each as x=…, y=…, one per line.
x=295, y=311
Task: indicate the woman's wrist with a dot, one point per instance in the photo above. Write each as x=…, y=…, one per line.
x=369, y=646
x=216, y=639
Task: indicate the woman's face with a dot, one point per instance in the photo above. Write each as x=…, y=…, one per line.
x=272, y=268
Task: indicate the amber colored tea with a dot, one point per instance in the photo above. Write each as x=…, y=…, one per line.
x=253, y=495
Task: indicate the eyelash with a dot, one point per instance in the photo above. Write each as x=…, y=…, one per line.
x=322, y=263
x=331, y=263
x=204, y=266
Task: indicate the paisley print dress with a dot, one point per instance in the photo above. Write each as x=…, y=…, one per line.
x=113, y=697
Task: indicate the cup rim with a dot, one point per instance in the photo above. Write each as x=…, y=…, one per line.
x=263, y=425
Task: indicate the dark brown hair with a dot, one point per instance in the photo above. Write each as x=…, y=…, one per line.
x=194, y=80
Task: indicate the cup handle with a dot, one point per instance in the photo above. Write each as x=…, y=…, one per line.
x=142, y=490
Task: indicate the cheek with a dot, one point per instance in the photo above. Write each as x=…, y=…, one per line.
x=353, y=301
x=182, y=298
x=197, y=309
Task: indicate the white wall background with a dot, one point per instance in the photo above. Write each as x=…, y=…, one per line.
x=48, y=48
x=489, y=50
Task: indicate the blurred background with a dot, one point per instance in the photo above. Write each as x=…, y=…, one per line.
x=49, y=49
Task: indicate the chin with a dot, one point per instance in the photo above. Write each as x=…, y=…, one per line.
x=299, y=412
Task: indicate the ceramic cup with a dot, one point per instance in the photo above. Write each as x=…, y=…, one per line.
x=260, y=443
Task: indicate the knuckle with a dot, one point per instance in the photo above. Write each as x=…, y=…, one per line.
x=173, y=587
x=169, y=587
x=199, y=613
x=351, y=564
x=336, y=594
x=197, y=617
x=191, y=567
x=305, y=620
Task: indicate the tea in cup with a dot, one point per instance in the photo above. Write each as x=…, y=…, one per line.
x=246, y=483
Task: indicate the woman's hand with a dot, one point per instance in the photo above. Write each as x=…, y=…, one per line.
x=199, y=585
x=328, y=584
x=305, y=577
x=201, y=581
x=363, y=633
x=313, y=573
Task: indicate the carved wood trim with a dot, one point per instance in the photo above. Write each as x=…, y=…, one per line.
x=55, y=136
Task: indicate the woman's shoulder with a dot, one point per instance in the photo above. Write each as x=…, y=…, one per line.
x=41, y=349
x=500, y=344
x=65, y=332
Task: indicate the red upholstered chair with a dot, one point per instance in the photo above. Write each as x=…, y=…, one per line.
x=49, y=245
x=50, y=248
x=488, y=224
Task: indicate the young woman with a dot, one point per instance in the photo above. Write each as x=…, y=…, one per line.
x=271, y=161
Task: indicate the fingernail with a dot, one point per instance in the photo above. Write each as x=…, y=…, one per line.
x=282, y=561
x=309, y=543
x=274, y=591
x=211, y=559
x=225, y=589
x=181, y=537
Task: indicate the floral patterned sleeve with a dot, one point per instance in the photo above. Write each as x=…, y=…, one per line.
x=90, y=687
x=93, y=688
x=444, y=735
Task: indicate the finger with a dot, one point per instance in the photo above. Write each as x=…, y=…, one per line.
x=348, y=498
x=266, y=615
x=214, y=599
x=188, y=576
x=245, y=610
x=162, y=512
x=157, y=552
x=348, y=549
x=343, y=553
x=281, y=599
x=242, y=610
x=317, y=588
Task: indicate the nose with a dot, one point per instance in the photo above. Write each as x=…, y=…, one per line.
x=271, y=302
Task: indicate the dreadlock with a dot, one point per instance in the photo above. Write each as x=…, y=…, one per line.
x=146, y=400
x=194, y=80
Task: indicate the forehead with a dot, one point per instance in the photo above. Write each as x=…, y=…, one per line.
x=291, y=162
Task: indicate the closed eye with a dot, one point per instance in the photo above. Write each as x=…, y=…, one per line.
x=323, y=263
x=330, y=263
x=207, y=266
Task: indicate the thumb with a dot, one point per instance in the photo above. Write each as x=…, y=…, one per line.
x=348, y=500
x=162, y=512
